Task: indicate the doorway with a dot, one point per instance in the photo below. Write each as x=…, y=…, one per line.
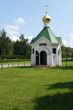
x=43, y=58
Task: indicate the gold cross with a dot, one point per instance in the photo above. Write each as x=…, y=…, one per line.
x=46, y=7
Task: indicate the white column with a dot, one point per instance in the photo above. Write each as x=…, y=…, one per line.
x=39, y=58
x=57, y=57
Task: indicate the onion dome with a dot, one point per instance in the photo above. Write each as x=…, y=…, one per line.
x=46, y=19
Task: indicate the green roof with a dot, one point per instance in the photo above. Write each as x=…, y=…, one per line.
x=59, y=39
x=47, y=33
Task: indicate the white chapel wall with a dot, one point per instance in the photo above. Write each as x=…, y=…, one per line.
x=52, y=59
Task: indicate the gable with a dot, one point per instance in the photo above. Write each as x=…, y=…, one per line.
x=42, y=40
x=44, y=33
x=48, y=34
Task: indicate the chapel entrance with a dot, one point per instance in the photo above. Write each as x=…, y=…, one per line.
x=43, y=58
x=37, y=58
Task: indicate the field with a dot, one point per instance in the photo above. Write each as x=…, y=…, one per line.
x=15, y=61
x=36, y=89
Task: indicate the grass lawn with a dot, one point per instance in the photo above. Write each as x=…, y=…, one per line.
x=36, y=89
x=16, y=62
x=68, y=63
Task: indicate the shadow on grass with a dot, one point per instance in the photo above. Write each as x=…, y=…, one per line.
x=23, y=67
x=68, y=67
x=16, y=108
x=63, y=67
x=65, y=85
x=55, y=102
x=58, y=101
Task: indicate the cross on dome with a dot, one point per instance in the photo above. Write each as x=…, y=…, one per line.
x=46, y=9
x=46, y=18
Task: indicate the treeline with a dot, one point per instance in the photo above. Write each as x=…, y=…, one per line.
x=14, y=49
x=67, y=52
x=21, y=49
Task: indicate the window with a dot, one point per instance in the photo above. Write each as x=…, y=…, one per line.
x=42, y=44
x=54, y=50
x=33, y=50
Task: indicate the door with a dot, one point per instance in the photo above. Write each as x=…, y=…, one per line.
x=43, y=58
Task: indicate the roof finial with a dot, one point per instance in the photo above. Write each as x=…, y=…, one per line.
x=46, y=18
x=46, y=7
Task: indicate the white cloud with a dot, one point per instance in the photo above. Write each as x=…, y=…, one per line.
x=12, y=27
x=19, y=21
x=68, y=42
x=13, y=30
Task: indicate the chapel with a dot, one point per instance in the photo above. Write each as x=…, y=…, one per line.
x=46, y=47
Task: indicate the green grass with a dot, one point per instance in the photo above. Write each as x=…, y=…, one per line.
x=16, y=62
x=36, y=89
x=68, y=63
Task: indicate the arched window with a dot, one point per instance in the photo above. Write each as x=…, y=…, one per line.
x=37, y=58
x=54, y=50
x=33, y=50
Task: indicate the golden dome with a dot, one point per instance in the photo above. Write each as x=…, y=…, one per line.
x=46, y=19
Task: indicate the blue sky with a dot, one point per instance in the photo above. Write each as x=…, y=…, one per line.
x=25, y=16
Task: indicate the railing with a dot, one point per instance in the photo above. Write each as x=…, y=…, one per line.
x=14, y=63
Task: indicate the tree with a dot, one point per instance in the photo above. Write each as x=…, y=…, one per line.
x=67, y=52
x=6, y=48
x=21, y=47
x=18, y=49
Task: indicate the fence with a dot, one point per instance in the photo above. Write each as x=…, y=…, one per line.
x=14, y=63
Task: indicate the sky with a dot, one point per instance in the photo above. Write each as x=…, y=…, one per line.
x=25, y=17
